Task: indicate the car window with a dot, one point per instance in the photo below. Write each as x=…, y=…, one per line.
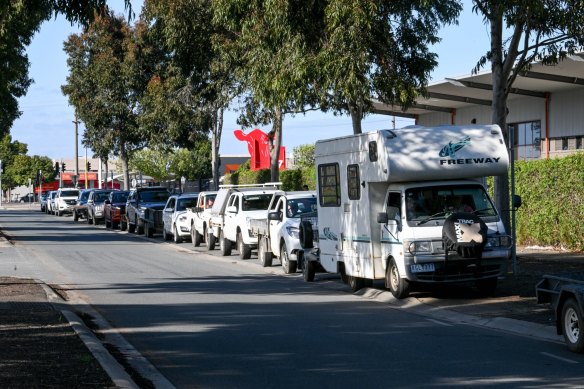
x=119, y=197
x=185, y=203
x=154, y=196
x=69, y=193
x=257, y=202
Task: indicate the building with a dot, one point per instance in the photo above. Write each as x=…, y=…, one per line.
x=545, y=116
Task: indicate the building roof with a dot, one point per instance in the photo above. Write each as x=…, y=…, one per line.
x=470, y=90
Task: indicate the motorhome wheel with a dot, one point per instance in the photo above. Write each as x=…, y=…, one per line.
x=399, y=287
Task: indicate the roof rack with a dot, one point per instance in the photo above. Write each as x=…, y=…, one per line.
x=264, y=185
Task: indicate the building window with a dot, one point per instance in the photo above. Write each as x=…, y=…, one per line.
x=527, y=140
x=353, y=186
x=329, y=185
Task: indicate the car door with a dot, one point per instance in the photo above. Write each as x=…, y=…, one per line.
x=230, y=225
x=274, y=225
x=168, y=212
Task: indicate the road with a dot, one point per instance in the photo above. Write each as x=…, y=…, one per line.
x=213, y=322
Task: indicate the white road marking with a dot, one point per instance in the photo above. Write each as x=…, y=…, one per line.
x=559, y=358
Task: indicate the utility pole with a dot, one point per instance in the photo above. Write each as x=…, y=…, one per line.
x=76, y=122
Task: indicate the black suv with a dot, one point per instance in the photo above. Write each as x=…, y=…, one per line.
x=153, y=197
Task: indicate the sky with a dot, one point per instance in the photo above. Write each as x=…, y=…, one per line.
x=46, y=124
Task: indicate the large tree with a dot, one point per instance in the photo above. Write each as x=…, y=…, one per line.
x=106, y=81
x=19, y=21
x=523, y=32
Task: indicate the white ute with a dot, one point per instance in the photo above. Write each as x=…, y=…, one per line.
x=408, y=206
x=278, y=234
x=199, y=216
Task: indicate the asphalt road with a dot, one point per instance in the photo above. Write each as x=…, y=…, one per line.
x=208, y=321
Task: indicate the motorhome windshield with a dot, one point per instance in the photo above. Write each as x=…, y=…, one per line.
x=438, y=202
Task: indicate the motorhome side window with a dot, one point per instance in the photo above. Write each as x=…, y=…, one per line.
x=329, y=185
x=353, y=186
x=373, y=151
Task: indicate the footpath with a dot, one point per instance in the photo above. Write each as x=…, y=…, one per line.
x=46, y=344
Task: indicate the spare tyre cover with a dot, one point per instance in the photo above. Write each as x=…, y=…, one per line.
x=306, y=235
x=464, y=233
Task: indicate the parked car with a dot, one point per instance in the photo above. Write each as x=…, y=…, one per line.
x=198, y=217
x=80, y=207
x=95, y=204
x=43, y=202
x=174, y=217
x=139, y=199
x=65, y=199
x=51, y=201
x=27, y=198
x=114, y=207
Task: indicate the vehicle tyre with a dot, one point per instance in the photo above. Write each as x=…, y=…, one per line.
x=355, y=283
x=572, y=320
x=487, y=287
x=175, y=236
x=288, y=265
x=75, y=216
x=244, y=249
x=107, y=223
x=165, y=235
x=88, y=218
x=399, y=287
x=94, y=220
x=264, y=254
x=211, y=240
x=224, y=245
x=139, y=228
x=308, y=270
x=195, y=237
x=148, y=231
x=57, y=213
x=131, y=228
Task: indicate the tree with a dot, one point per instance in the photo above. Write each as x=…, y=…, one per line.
x=304, y=156
x=542, y=30
x=379, y=50
x=105, y=84
x=9, y=151
x=19, y=21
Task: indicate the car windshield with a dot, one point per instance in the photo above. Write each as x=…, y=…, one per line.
x=154, y=196
x=298, y=207
x=439, y=202
x=258, y=202
x=100, y=197
x=185, y=203
x=119, y=197
x=69, y=193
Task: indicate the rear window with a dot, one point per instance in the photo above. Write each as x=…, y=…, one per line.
x=256, y=202
x=120, y=197
x=154, y=196
x=69, y=193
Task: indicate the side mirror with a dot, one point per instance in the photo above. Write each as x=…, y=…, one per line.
x=231, y=209
x=382, y=218
x=198, y=209
x=516, y=201
x=277, y=216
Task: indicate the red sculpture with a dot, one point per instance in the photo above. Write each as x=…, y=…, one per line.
x=258, y=145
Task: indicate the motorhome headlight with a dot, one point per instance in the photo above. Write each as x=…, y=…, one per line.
x=498, y=241
x=294, y=232
x=418, y=246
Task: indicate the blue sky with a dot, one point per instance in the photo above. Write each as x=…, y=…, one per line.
x=46, y=123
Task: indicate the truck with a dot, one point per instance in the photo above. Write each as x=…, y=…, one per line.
x=408, y=206
x=278, y=233
x=235, y=206
x=140, y=199
x=198, y=217
x=565, y=294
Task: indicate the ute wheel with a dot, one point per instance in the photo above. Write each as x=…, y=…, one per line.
x=211, y=240
x=58, y=213
x=107, y=223
x=139, y=228
x=487, y=287
x=94, y=220
x=288, y=265
x=75, y=216
x=195, y=236
x=244, y=249
x=114, y=225
x=224, y=245
x=264, y=255
x=355, y=283
x=131, y=228
x=175, y=236
x=399, y=287
x=308, y=270
x=572, y=320
x=165, y=235
x=149, y=232
x=87, y=217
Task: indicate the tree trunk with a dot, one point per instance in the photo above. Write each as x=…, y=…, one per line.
x=275, y=144
x=499, y=113
x=215, y=144
x=356, y=116
x=125, y=170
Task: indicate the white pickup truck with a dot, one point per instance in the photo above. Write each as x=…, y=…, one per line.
x=198, y=218
x=234, y=208
x=278, y=232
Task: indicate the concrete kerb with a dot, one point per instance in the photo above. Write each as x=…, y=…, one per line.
x=517, y=327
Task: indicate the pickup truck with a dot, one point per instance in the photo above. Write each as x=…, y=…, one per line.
x=198, y=218
x=139, y=200
x=278, y=233
x=234, y=208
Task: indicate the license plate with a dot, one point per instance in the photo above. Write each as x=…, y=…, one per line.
x=422, y=267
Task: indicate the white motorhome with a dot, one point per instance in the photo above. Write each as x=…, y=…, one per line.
x=406, y=206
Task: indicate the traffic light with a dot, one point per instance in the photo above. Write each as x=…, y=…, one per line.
x=63, y=167
x=87, y=166
x=56, y=168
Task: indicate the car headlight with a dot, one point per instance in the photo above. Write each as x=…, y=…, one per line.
x=294, y=232
x=499, y=241
x=418, y=246
x=248, y=222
